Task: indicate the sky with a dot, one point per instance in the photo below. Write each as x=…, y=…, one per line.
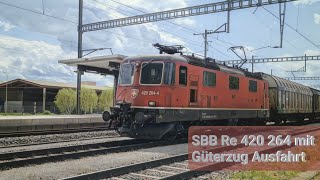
x=35, y=34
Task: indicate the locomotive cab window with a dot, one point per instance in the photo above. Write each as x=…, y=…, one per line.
x=169, y=73
x=151, y=73
x=233, y=82
x=126, y=74
x=183, y=75
x=209, y=79
x=252, y=86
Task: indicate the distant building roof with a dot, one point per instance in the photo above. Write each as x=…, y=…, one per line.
x=47, y=84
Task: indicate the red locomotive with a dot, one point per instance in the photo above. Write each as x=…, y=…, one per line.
x=159, y=96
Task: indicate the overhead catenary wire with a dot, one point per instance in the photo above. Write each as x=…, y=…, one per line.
x=219, y=51
x=184, y=38
x=270, y=29
x=131, y=7
x=146, y=12
x=36, y=12
x=69, y=21
x=75, y=23
x=295, y=30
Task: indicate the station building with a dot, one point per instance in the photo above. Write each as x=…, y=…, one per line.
x=29, y=95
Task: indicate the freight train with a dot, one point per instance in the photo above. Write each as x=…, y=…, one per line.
x=160, y=96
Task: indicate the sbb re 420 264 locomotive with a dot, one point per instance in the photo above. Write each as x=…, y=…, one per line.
x=160, y=96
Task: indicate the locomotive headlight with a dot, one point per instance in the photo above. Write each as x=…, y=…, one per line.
x=152, y=103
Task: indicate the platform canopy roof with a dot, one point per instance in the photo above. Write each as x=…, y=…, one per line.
x=99, y=64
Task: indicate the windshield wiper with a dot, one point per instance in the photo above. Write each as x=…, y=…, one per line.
x=147, y=63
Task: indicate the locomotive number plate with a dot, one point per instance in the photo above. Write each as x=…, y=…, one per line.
x=150, y=93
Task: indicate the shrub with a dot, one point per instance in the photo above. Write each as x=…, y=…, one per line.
x=89, y=100
x=106, y=99
x=65, y=100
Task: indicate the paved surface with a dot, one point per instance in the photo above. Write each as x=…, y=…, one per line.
x=28, y=121
x=48, y=116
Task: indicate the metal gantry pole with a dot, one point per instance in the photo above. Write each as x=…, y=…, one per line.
x=6, y=104
x=79, y=55
x=80, y=29
x=6, y=110
x=205, y=44
x=252, y=63
x=305, y=63
x=6, y=94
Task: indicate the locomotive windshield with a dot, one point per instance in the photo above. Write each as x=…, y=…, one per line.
x=151, y=73
x=126, y=74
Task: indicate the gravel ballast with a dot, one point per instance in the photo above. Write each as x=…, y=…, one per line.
x=7, y=141
x=91, y=164
x=62, y=144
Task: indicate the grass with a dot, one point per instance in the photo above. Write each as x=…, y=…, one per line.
x=25, y=114
x=15, y=114
x=265, y=175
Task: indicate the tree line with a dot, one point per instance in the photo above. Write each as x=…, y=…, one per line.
x=65, y=100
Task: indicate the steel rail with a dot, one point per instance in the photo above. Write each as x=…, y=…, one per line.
x=45, y=132
x=123, y=170
x=75, y=152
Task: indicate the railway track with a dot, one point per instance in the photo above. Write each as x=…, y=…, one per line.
x=55, y=142
x=98, y=128
x=174, y=167
x=40, y=156
x=45, y=132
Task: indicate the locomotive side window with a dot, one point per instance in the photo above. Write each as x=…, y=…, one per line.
x=252, y=86
x=126, y=74
x=169, y=73
x=209, y=79
x=183, y=75
x=233, y=82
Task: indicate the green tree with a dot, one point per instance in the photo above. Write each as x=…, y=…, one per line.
x=65, y=100
x=89, y=100
x=106, y=99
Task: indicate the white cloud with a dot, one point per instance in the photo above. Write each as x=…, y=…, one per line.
x=6, y=26
x=312, y=52
x=305, y=2
x=185, y=21
x=32, y=59
x=126, y=40
x=316, y=18
x=38, y=60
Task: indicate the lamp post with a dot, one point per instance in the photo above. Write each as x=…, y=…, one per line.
x=6, y=105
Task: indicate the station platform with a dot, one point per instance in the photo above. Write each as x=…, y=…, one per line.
x=49, y=122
